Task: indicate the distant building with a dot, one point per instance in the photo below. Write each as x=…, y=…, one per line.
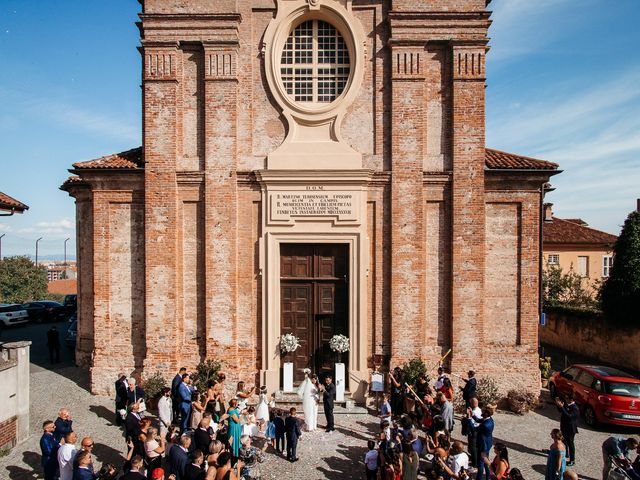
x=60, y=270
x=9, y=205
x=572, y=245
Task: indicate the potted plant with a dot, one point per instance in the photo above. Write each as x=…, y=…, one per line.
x=206, y=374
x=152, y=386
x=545, y=370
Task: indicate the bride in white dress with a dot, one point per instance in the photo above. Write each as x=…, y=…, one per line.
x=308, y=391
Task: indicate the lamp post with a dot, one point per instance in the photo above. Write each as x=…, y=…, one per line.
x=1, y=245
x=65, y=256
x=37, y=250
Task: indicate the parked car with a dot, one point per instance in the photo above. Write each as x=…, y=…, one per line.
x=12, y=314
x=70, y=304
x=45, y=311
x=604, y=394
x=72, y=333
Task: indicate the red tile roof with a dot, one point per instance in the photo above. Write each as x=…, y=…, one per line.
x=66, y=286
x=494, y=160
x=10, y=203
x=129, y=159
x=560, y=231
x=498, y=160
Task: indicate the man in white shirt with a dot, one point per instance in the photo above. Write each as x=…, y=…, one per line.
x=66, y=455
x=440, y=379
x=165, y=411
x=458, y=458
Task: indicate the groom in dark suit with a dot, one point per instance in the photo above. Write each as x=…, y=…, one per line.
x=292, y=431
x=327, y=401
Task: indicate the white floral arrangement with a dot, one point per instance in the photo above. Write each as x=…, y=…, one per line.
x=306, y=370
x=289, y=343
x=339, y=343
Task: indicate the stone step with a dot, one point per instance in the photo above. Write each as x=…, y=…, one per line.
x=286, y=400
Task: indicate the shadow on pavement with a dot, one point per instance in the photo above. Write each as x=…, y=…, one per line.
x=104, y=413
x=541, y=469
x=341, y=468
x=30, y=458
x=106, y=454
x=519, y=447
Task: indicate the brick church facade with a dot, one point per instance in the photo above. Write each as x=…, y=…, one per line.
x=310, y=167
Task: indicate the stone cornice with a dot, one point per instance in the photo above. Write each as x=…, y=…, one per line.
x=221, y=27
x=414, y=28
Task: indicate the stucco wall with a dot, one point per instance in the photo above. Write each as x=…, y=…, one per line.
x=592, y=338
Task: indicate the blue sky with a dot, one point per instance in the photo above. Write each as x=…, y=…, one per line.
x=563, y=85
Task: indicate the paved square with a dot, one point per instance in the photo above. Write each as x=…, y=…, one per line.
x=336, y=455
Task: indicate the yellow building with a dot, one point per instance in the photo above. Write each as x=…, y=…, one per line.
x=571, y=244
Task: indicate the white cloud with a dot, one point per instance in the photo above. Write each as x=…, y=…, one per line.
x=57, y=228
x=5, y=228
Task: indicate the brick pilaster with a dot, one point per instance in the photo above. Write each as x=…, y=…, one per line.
x=407, y=204
x=468, y=212
x=220, y=197
x=160, y=100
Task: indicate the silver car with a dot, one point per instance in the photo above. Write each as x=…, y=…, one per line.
x=12, y=314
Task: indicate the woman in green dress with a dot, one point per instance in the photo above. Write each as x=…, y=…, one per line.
x=556, y=461
x=235, y=427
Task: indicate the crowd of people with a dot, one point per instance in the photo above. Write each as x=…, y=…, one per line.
x=417, y=422
x=202, y=435
x=197, y=435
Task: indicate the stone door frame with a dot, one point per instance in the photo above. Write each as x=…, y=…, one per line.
x=357, y=287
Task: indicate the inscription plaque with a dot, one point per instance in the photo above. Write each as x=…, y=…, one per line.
x=314, y=203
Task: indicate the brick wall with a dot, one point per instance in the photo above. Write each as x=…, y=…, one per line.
x=589, y=337
x=8, y=433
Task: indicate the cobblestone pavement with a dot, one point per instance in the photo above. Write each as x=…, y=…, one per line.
x=336, y=455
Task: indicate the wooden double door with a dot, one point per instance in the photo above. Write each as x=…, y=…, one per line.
x=314, y=289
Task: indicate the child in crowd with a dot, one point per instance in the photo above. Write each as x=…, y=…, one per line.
x=371, y=461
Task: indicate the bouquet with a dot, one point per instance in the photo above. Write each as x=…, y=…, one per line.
x=288, y=343
x=339, y=343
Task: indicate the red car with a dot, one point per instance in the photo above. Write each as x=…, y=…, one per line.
x=604, y=394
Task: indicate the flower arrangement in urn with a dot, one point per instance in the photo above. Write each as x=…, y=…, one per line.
x=339, y=344
x=288, y=343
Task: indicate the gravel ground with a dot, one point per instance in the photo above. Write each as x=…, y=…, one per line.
x=335, y=455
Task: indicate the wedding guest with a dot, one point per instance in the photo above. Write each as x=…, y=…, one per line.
x=135, y=394
x=63, y=423
x=49, y=449
x=371, y=461
x=66, y=454
x=278, y=422
x=154, y=448
x=557, y=460
x=293, y=433
x=165, y=411
x=242, y=395
x=470, y=387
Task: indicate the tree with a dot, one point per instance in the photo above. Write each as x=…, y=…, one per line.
x=621, y=291
x=21, y=280
x=561, y=289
